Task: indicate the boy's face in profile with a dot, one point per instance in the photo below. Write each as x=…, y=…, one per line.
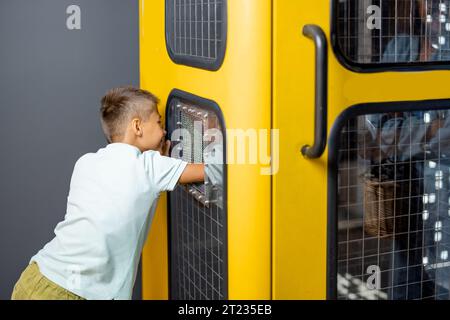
x=153, y=132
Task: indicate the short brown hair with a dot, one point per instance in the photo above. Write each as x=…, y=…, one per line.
x=121, y=105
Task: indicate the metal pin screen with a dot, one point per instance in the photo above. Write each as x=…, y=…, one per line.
x=197, y=214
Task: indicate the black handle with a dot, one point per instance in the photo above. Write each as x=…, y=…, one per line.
x=320, y=123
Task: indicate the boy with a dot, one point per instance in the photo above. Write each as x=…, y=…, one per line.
x=111, y=203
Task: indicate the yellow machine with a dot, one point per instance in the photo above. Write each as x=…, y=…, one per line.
x=350, y=100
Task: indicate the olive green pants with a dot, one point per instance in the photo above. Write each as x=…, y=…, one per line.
x=32, y=285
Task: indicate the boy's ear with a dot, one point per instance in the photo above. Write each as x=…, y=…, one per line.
x=137, y=127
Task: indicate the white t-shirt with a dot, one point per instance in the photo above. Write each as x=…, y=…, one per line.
x=112, y=199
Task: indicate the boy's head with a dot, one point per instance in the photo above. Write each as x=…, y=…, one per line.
x=130, y=115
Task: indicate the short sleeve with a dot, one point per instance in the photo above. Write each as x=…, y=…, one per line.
x=164, y=172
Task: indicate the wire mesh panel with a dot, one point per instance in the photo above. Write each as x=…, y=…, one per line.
x=393, y=206
x=196, y=32
x=197, y=212
x=393, y=31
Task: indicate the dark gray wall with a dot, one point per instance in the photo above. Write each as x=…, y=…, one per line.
x=51, y=81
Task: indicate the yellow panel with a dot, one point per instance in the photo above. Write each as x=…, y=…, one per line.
x=155, y=275
x=242, y=88
x=300, y=188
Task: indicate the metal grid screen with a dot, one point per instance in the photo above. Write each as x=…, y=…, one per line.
x=198, y=268
x=393, y=206
x=196, y=30
x=393, y=31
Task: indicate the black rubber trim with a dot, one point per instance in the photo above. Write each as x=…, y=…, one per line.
x=334, y=142
x=376, y=67
x=196, y=62
x=212, y=106
x=316, y=33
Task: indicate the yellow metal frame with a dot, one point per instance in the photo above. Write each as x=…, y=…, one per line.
x=277, y=227
x=300, y=188
x=242, y=88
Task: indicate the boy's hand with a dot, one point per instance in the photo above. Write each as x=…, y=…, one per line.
x=164, y=148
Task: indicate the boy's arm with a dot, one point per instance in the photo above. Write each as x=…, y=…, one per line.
x=193, y=173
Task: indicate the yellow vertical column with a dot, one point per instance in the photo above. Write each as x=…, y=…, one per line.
x=300, y=187
x=242, y=89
